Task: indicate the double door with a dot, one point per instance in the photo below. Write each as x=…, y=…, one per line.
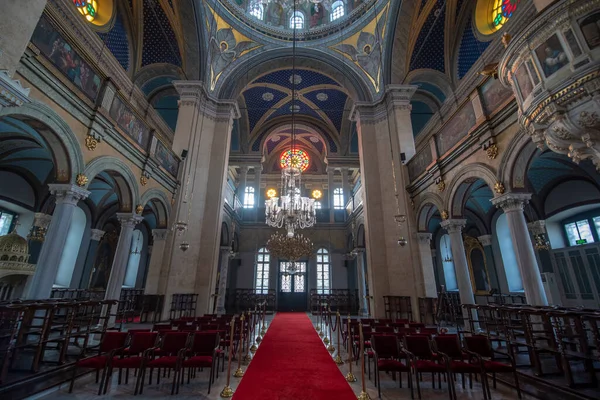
x=292, y=293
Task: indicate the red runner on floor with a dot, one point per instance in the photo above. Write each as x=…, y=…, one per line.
x=293, y=364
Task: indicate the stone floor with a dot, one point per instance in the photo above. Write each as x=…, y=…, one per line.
x=86, y=388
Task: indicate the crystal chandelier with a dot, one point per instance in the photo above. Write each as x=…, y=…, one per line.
x=290, y=248
x=291, y=211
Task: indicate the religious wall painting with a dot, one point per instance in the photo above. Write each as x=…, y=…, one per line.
x=364, y=48
x=105, y=254
x=62, y=55
x=480, y=278
x=166, y=159
x=456, y=128
x=590, y=27
x=494, y=95
x=419, y=163
x=225, y=46
x=523, y=81
x=128, y=121
x=551, y=55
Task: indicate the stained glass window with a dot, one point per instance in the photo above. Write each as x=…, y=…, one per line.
x=295, y=158
x=502, y=10
x=261, y=284
x=88, y=8
x=323, y=271
x=337, y=10
x=297, y=20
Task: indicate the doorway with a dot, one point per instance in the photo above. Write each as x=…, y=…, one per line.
x=292, y=294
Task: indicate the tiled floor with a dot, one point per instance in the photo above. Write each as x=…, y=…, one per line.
x=86, y=388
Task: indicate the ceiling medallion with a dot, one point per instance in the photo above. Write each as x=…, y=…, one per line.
x=268, y=96
x=295, y=79
x=314, y=139
x=275, y=138
x=322, y=96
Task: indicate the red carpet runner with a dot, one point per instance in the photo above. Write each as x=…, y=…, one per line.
x=293, y=364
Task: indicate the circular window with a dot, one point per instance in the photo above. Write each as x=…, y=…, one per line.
x=491, y=15
x=295, y=159
x=97, y=12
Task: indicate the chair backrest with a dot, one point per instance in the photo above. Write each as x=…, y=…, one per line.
x=386, y=346
x=416, y=325
x=384, y=321
x=383, y=329
x=479, y=344
x=141, y=341
x=418, y=345
x=449, y=345
x=205, y=343
x=136, y=330
x=209, y=327
x=173, y=342
x=161, y=327
x=112, y=340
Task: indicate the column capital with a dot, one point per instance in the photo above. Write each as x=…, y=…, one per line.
x=424, y=237
x=485, y=240
x=129, y=219
x=358, y=250
x=159, y=234
x=96, y=234
x=400, y=95
x=194, y=93
x=454, y=225
x=41, y=220
x=511, y=201
x=67, y=193
x=537, y=227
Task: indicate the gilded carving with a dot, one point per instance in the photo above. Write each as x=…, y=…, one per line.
x=441, y=186
x=91, y=143
x=445, y=215
x=492, y=151
x=139, y=209
x=143, y=180
x=499, y=188
x=81, y=180
x=588, y=119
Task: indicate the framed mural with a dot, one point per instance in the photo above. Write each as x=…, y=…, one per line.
x=551, y=55
x=130, y=123
x=523, y=81
x=456, y=128
x=480, y=277
x=590, y=27
x=62, y=55
x=166, y=158
x=494, y=94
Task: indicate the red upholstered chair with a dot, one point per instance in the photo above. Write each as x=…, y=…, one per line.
x=448, y=346
x=110, y=344
x=381, y=329
x=416, y=325
x=202, y=354
x=162, y=327
x=133, y=356
x=172, y=350
x=423, y=359
x=388, y=358
x=383, y=321
x=480, y=345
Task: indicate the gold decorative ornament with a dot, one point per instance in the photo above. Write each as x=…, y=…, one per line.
x=338, y=360
x=81, y=180
x=139, y=209
x=271, y=193
x=490, y=70
x=363, y=396
x=143, y=180
x=227, y=392
x=506, y=38
x=492, y=151
x=350, y=377
x=91, y=142
x=316, y=194
x=445, y=215
x=441, y=185
x=499, y=188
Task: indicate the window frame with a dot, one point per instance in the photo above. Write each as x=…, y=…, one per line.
x=338, y=199
x=292, y=22
x=261, y=10
x=591, y=227
x=249, y=197
x=260, y=267
x=14, y=217
x=323, y=285
x=336, y=6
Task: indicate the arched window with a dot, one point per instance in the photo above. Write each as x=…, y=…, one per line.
x=297, y=20
x=6, y=220
x=491, y=15
x=257, y=10
x=318, y=205
x=509, y=259
x=323, y=272
x=338, y=199
x=448, y=263
x=88, y=8
x=249, y=197
x=261, y=280
x=337, y=10
x=135, y=254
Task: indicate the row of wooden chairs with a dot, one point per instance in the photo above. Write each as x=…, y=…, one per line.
x=569, y=336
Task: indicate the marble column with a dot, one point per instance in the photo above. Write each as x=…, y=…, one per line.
x=513, y=205
x=345, y=186
x=454, y=228
x=361, y=281
x=204, y=129
x=224, y=270
x=260, y=205
x=330, y=172
x=67, y=196
x=486, y=242
x=384, y=133
x=128, y=223
x=427, y=264
x=159, y=237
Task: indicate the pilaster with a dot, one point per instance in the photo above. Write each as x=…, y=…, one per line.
x=427, y=264
x=159, y=237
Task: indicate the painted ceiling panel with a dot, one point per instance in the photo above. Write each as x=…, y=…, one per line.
x=306, y=79
x=470, y=50
x=302, y=109
x=419, y=116
x=546, y=168
x=39, y=168
x=13, y=125
x=258, y=102
x=156, y=83
x=431, y=88
x=116, y=41
x=332, y=102
x=160, y=42
x=429, y=47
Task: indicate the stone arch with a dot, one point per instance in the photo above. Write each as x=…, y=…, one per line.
x=428, y=203
x=160, y=203
x=454, y=197
x=516, y=157
x=64, y=144
x=127, y=182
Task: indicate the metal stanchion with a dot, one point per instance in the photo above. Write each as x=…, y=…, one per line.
x=263, y=330
x=332, y=328
x=321, y=333
x=363, y=395
x=248, y=355
x=349, y=376
x=227, y=392
x=239, y=372
x=338, y=358
x=257, y=323
x=327, y=326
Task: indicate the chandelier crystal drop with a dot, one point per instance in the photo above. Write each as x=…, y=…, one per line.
x=290, y=248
